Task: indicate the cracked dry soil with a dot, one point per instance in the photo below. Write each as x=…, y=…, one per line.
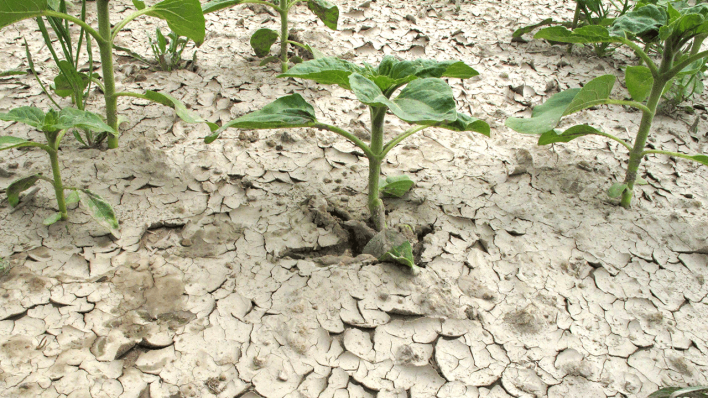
x=238, y=271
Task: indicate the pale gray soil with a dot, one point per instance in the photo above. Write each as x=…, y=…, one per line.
x=234, y=276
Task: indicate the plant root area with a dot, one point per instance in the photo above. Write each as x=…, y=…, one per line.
x=239, y=272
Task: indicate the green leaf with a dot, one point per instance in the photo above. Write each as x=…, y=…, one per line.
x=217, y=5
x=640, y=181
x=13, y=190
x=12, y=73
x=179, y=107
x=424, y=101
x=12, y=11
x=262, y=40
x=396, y=186
x=596, y=89
x=267, y=60
x=296, y=60
x=7, y=142
x=69, y=81
x=72, y=197
x=546, y=116
x=402, y=254
x=639, y=82
x=101, y=211
x=700, y=159
x=400, y=72
x=328, y=70
x=184, y=17
x=530, y=28
x=325, y=11
x=161, y=41
x=675, y=392
x=643, y=22
x=467, y=123
x=316, y=54
x=616, y=190
x=139, y=4
x=553, y=136
x=75, y=118
x=586, y=34
x=28, y=115
x=288, y=111
x=52, y=219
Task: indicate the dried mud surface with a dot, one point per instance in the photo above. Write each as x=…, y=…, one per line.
x=236, y=276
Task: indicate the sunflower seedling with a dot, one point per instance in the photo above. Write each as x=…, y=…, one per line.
x=263, y=39
x=184, y=17
x=645, y=84
x=54, y=125
x=168, y=50
x=425, y=100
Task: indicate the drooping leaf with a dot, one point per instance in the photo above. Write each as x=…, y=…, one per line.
x=296, y=60
x=328, y=70
x=467, y=123
x=179, y=107
x=28, y=115
x=546, y=116
x=12, y=11
x=596, y=89
x=216, y=5
x=316, y=54
x=402, y=254
x=616, y=190
x=396, y=186
x=288, y=111
x=262, y=40
x=268, y=60
x=75, y=118
x=13, y=190
x=553, y=136
x=184, y=17
x=639, y=82
x=101, y=211
x=7, y=142
x=52, y=219
x=527, y=29
x=327, y=12
x=139, y=4
x=585, y=34
x=72, y=197
x=676, y=392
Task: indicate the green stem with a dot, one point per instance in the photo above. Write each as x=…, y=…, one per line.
x=688, y=61
x=99, y=38
x=391, y=144
x=56, y=171
x=609, y=101
x=109, y=82
x=283, y=10
x=642, y=55
x=576, y=17
x=351, y=137
x=376, y=206
x=116, y=29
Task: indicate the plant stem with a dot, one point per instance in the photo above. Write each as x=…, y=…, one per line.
x=283, y=10
x=376, y=206
x=56, y=171
x=106, y=49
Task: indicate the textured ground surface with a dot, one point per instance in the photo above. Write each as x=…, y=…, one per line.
x=235, y=277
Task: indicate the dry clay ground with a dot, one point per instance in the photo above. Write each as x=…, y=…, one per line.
x=236, y=276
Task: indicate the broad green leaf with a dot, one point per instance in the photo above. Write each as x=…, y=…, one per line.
x=586, y=34
x=402, y=254
x=639, y=82
x=288, y=111
x=7, y=142
x=12, y=11
x=296, y=60
x=262, y=40
x=184, y=17
x=616, y=190
x=675, y=392
x=467, y=123
x=325, y=11
x=423, y=101
x=179, y=107
x=596, y=89
x=72, y=117
x=546, y=116
x=28, y=115
x=217, y=5
x=700, y=159
x=527, y=29
x=69, y=80
x=553, y=136
x=396, y=186
x=316, y=54
x=52, y=219
x=643, y=22
x=72, y=197
x=328, y=70
x=101, y=211
x=139, y=4
x=13, y=190
x=400, y=69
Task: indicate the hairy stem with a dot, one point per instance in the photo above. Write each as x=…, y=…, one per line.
x=283, y=10
x=376, y=206
x=109, y=86
x=56, y=171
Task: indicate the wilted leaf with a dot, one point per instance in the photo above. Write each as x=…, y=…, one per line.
x=262, y=40
x=553, y=136
x=13, y=190
x=546, y=116
x=289, y=111
x=467, y=123
x=101, y=211
x=396, y=186
x=179, y=107
x=52, y=219
x=402, y=254
x=72, y=197
x=327, y=12
x=527, y=29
